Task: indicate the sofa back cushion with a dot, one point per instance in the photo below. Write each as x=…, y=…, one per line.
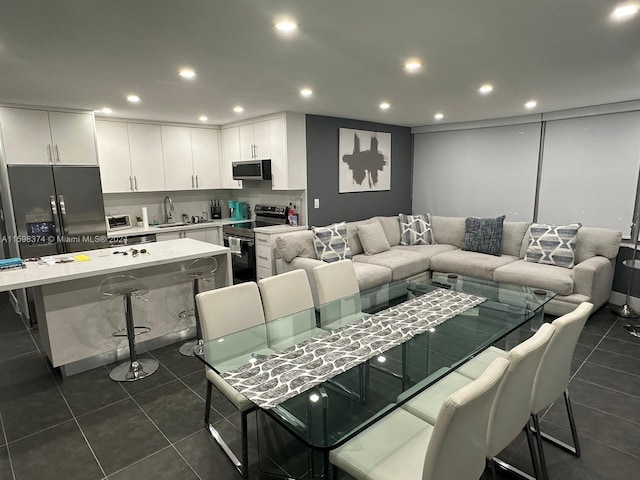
x=295, y=244
x=448, y=230
x=597, y=241
x=512, y=237
x=391, y=229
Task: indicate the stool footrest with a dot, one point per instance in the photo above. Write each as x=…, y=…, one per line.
x=123, y=331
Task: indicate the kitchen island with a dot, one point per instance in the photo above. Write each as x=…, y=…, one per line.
x=76, y=324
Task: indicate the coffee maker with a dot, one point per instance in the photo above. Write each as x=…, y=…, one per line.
x=238, y=210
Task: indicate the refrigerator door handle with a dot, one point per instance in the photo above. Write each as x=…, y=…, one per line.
x=54, y=209
x=56, y=221
x=63, y=215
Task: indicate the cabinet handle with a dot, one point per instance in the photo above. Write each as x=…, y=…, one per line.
x=135, y=182
x=49, y=154
x=55, y=148
x=131, y=183
x=262, y=240
x=197, y=186
x=192, y=183
x=262, y=258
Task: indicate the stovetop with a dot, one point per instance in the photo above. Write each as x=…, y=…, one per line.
x=266, y=215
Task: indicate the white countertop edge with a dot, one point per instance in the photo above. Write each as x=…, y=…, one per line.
x=279, y=229
x=104, y=261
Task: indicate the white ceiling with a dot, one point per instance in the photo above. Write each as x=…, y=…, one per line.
x=92, y=53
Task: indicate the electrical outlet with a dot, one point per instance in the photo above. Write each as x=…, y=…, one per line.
x=316, y=203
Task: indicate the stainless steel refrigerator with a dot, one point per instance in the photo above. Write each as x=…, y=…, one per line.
x=57, y=209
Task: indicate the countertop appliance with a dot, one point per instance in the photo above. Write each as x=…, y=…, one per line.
x=57, y=209
x=251, y=170
x=118, y=222
x=243, y=259
x=239, y=210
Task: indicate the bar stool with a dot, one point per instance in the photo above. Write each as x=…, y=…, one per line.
x=200, y=269
x=128, y=287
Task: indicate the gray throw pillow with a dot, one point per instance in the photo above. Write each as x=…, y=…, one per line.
x=331, y=242
x=553, y=244
x=373, y=238
x=483, y=235
x=415, y=229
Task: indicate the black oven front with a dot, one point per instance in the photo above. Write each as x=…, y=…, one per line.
x=243, y=259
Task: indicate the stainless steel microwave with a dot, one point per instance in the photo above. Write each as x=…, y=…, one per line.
x=252, y=170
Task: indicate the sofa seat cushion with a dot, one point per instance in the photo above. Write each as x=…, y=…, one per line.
x=370, y=275
x=473, y=264
x=427, y=251
x=537, y=275
x=402, y=263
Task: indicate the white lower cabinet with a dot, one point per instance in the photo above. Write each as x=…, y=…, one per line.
x=265, y=245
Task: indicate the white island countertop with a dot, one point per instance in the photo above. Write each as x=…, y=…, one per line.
x=105, y=261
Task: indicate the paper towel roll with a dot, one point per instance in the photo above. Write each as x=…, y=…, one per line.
x=145, y=218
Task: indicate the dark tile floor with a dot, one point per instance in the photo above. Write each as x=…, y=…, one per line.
x=88, y=427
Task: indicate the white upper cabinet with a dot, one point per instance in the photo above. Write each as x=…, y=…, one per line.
x=41, y=137
x=206, y=157
x=178, y=158
x=145, y=147
x=255, y=141
x=230, y=153
x=115, y=161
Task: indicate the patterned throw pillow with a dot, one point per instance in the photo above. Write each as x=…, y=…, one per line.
x=553, y=244
x=416, y=229
x=331, y=242
x=483, y=235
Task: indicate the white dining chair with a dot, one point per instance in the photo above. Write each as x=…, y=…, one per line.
x=339, y=302
x=511, y=410
x=224, y=311
x=401, y=445
x=552, y=379
x=288, y=294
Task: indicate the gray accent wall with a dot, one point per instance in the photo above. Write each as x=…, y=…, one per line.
x=322, y=173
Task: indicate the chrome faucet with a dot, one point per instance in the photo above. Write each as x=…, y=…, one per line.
x=168, y=210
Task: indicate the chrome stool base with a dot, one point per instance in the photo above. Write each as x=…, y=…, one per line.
x=132, y=371
x=191, y=348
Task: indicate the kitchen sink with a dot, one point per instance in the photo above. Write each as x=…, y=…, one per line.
x=168, y=225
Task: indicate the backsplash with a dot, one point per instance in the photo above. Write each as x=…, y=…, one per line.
x=194, y=203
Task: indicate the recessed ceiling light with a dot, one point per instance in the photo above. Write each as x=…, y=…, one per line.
x=187, y=73
x=412, y=66
x=486, y=88
x=439, y=116
x=286, y=26
x=238, y=109
x=530, y=104
x=385, y=106
x=133, y=98
x=625, y=11
x=203, y=118
x=306, y=92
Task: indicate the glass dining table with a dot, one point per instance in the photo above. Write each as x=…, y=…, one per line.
x=327, y=373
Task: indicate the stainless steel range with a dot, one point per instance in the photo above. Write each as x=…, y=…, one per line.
x=240, y=238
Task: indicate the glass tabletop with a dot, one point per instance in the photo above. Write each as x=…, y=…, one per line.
x=328, y=414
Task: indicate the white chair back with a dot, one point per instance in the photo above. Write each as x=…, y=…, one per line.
x=229, y=309
x=335, y=280
x=285, y=294
x=555, y=369
x=457, y=448
x=511, y=410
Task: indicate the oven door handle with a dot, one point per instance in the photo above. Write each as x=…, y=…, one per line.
x=248, y=241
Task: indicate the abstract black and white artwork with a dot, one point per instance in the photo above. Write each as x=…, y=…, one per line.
x=365, y=161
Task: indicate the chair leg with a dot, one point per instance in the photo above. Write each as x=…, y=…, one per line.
x=245, y=444
x=543, y=461
x=207, y=407
x=491, y=468
x=532, y=451
x=573, y=450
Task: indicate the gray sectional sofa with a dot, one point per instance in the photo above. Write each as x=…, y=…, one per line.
x=589, y=280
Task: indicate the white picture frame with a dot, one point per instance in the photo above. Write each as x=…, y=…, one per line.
x=364, y=161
